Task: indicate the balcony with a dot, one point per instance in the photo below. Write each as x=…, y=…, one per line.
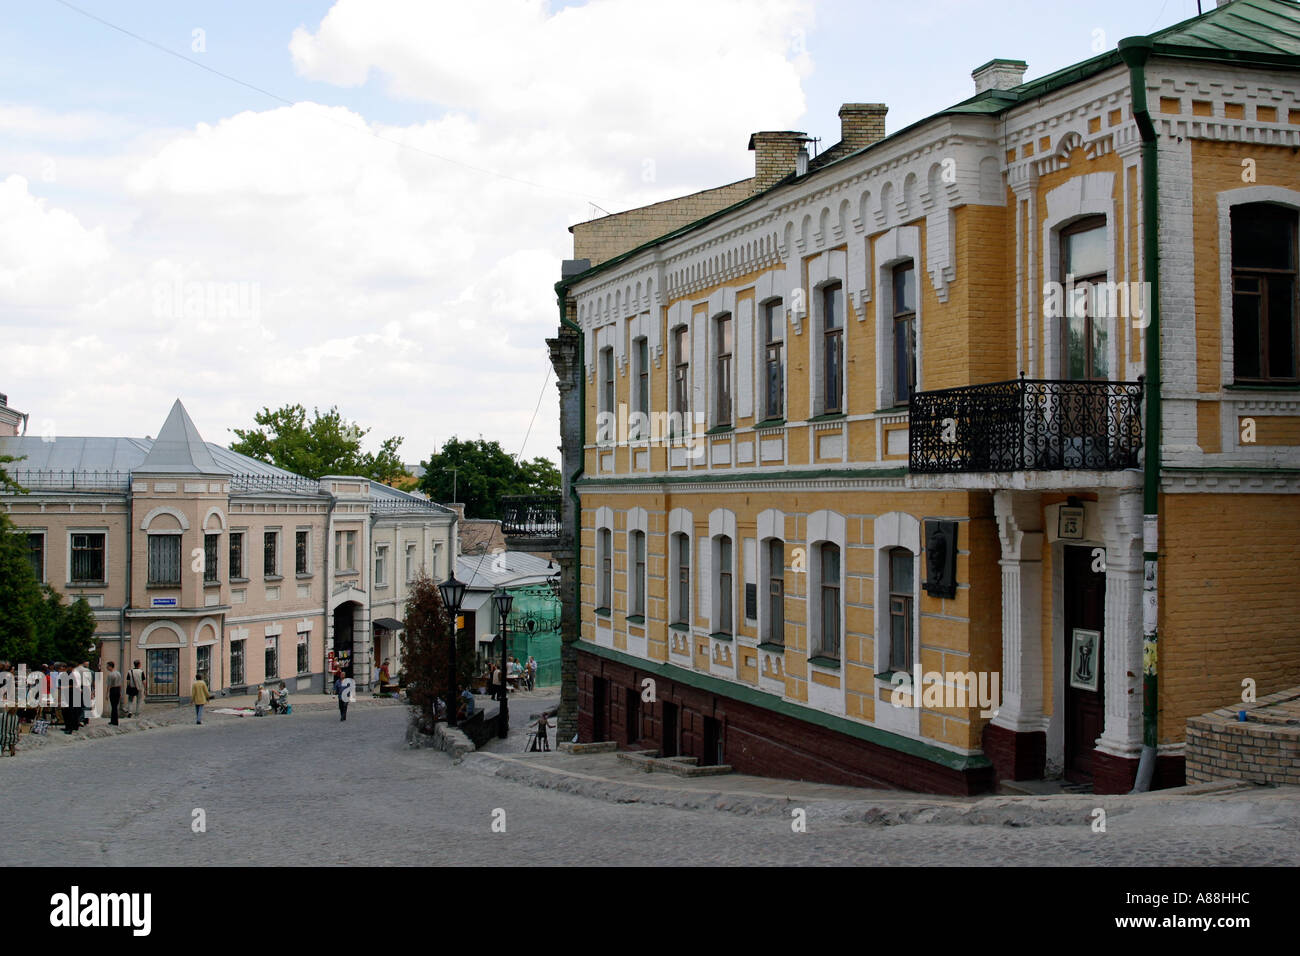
x=532, y=522
x=1026, y=425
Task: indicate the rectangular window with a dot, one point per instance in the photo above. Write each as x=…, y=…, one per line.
x=270, y=553
x=410, y=562
x=904, y=282
x=830, y=610
x=683, y=610
x=272, y=657
x=774, y=362
x=236, y=554
x=381, y=565
x=211, y=542
x=605, y=594
x=607, y=380
x=900, y=610
x=345, y=551
x=775, y=591
x=36, y=555
x=833, y=348
x=1265, y=307
x=164, y=560
x=722, y=384
x=88, y=558
x=304, y=664
x=725, y=587
x=641, y=350
x=638, y=573
x=681, y=374
x=300, y=553
x=236, y=662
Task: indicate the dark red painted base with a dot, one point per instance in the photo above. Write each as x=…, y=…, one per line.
x=1111, y=774
x=756, y=740
x=1016, y=755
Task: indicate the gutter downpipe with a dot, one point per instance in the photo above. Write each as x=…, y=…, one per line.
x=1135, y=52
x=562, y=291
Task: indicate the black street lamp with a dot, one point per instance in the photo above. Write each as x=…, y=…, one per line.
x=504, y=600
x=453, y=594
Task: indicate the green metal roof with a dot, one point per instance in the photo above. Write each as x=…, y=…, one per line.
x=1247, y=32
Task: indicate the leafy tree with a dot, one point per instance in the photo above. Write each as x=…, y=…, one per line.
x=424, y=650
x=480, y=473
x=20, y=597
x=65, y=632
x=328, y=444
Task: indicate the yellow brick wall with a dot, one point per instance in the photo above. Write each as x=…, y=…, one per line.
x=1229, y=608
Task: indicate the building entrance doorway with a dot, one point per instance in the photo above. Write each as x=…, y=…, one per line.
x=668, y=746
x=1085, y=615
x=342, y=645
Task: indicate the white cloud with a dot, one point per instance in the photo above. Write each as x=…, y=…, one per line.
x=306, y=254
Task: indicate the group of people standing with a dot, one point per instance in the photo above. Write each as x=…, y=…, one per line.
x=65, y=693
x=526, y=674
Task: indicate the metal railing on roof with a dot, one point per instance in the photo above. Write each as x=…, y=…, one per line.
x=274, y=484
x=72, y=480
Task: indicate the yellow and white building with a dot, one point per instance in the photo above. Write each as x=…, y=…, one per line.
x=862, y=456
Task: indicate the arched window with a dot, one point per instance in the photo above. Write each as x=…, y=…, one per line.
x=636, y=561
x=828, y=643
x=725, y=616
x=901, y=590
x=680, y=584
x=774, y=631
x=904, y=308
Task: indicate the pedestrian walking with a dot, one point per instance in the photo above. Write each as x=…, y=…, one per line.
x=87, y=691
x=199, y=696
x=383, y=677
x=532, y=671
x=345, y=687
x=496, y=683
x=113, y=681
x=135, y=683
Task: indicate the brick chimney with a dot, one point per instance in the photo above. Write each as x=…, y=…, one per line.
x=999, y=75
x=861, y=124
x=776, y=154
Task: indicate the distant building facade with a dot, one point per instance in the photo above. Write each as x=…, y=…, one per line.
x=200, y=561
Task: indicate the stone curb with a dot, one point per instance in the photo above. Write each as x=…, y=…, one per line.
x=1011, y=811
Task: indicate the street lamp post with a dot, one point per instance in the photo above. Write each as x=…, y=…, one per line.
x=504, y=600
x=453, y=594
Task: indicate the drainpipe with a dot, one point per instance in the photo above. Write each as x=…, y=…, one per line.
x=124, y=640
x=1135, y=51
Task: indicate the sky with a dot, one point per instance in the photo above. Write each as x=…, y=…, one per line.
x=364, y=203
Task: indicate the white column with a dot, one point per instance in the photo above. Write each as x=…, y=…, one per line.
x=1020, y=527
x=1121, y=520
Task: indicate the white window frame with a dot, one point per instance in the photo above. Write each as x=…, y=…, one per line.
x=722, y=523
x=893, y=249
x=381, y=565
x=825, y=527
x=771, y=527
x=310, y=569
x=279, y=552
x=680, y=521
x=68, y=556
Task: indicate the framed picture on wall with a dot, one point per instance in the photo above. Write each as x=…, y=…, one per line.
x=1084, y=664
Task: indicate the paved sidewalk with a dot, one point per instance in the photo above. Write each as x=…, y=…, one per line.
x=168, y=714
x=605, y=777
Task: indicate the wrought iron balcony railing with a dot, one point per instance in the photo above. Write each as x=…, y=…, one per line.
x=97, y=481
x=531, y=516
x=1026, y=425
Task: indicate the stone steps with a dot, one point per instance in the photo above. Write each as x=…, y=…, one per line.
x=650, y=762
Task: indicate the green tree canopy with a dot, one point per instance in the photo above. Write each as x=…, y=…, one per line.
x=328, y=444
x=480, y=473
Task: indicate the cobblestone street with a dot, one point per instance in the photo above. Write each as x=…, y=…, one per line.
x=308, y=789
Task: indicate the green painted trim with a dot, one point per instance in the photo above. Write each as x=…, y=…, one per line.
x=636, y=618
x=888, y=676
x=774, y=648
x=721, y=636
x=828, y=417
x=785, y=475
x=756, y=698
x=603, y=611
x=684, y=628
x=827, y=662
x=892, y=410
x=720, y=429
x=769, y=423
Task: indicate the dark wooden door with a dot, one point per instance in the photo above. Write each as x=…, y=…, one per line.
x=1085, y=614
x=668, y=744
x=712, y=755
x=599, y=708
